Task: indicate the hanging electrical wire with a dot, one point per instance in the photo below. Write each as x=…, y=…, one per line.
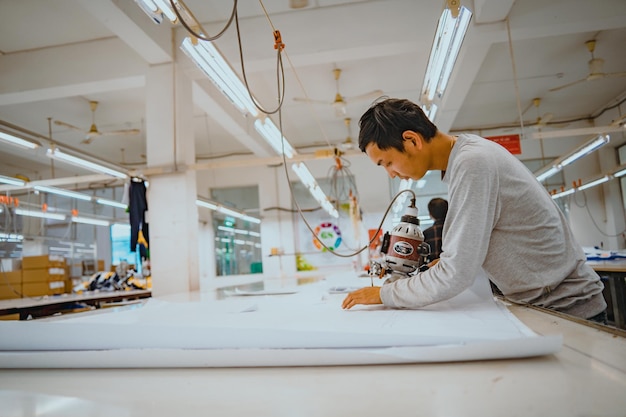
x=340, y=174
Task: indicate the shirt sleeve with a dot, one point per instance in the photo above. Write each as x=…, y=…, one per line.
x=472, y=214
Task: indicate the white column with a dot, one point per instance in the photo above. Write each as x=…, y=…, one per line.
x=173, y=215
x=277, y=229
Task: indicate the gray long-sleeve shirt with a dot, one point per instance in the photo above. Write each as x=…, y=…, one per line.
x=501, y=219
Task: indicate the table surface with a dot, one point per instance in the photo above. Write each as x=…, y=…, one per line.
x=586, y=378
x=613, y=265
x=18, y=305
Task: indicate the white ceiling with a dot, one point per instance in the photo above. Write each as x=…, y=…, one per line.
x=56, y=56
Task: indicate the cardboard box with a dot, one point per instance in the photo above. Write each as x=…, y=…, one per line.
x=43, y=275
x=37, y=289
x=43, y=261
x=12, y=277
x=11, y=264
x=9, y=292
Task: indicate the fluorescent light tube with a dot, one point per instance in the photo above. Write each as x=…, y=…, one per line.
x=12, y=181
x=563, y=193
x=251, y=219
x=165, y=7
x=271, y=134
x=224, y=210
x=206, y=204
x=586, y=149
x=18, y=141
x=304, y=174
x=40, y=214
x=151, y=9
x=308, y=180
x=11, y=237
x=65, y=193
x=547, y=174
x=594, y=183
x=430, y=111
x=211, y=62
x=111, y=203
x=230, y=212
x=620, y=173
x=89, y=220
x=446, y=45
x=55, y=153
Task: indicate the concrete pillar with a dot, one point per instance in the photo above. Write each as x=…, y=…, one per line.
x=173, y=214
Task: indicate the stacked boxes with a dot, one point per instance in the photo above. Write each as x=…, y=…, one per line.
x=43, y=275
x=10, y=284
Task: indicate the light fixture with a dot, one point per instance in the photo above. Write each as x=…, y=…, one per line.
x=563, y=193
x=308, y=180
x=11, y=181
x=40, y=214
x=547, y=173
x=585, y=149
x=430, y=110
x=11, y=237
x=200, y=202
x=446, y=45
x=593, y=183
x=64, y=193
x=616, y=173
x=206, y=204
x=22, y=142
x=111, y=203
x=211, y=62
x=56, y=153
x=619, y=173
x=156, y=9
x=151, y=9
x=271, y=134
x=89, y=220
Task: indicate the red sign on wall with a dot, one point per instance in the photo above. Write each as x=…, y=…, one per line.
x=510, y=142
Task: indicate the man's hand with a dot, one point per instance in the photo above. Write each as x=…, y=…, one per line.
x=367, y=295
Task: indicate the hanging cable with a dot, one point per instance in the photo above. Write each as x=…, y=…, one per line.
x=195, y=33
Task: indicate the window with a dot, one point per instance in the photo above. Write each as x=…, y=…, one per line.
x=120, y=246
x=237, y=242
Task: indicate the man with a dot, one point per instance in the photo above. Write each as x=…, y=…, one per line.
x=437, y=208
x=500, y=219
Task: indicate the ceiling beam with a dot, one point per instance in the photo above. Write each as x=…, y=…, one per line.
x=127, y=21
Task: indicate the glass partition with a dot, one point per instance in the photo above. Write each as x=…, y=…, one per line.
x=237, y=241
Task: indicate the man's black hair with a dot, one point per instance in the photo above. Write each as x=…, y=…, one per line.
x=385, y=122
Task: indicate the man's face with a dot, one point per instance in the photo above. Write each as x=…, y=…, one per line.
x=408, y=164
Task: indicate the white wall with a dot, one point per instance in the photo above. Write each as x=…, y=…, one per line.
x=597, y=214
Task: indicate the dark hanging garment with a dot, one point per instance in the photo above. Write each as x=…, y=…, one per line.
x=137, y=208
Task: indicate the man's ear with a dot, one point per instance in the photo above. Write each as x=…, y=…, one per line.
x=412, y=139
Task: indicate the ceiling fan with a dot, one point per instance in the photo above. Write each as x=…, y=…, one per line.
x=340, y=102
x=347, y=144
x=93, y=131
x=595, y=69
x=542, y=120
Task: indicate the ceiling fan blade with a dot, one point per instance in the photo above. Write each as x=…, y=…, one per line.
x=366, y=96
x=569, y=85
x=310, y=100
x=120, y=132
x=60, y=123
